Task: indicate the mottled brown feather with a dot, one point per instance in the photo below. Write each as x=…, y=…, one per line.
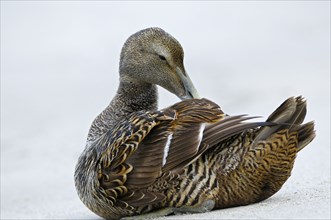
x=142, y=150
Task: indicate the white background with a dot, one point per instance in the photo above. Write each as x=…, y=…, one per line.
x=59, y=69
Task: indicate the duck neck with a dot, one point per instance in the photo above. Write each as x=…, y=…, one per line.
x=134, y=96
x=131, y=97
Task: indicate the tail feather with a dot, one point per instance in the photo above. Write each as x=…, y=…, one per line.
x=267, y=155
x=284, y=111
x=289, y=115
x=293, y=110
x=306, y=134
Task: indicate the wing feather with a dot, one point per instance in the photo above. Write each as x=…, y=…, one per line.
x=150, y=146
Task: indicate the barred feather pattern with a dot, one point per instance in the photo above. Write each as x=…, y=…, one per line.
x=151, y=160
x=235, y=172
x=252, y=172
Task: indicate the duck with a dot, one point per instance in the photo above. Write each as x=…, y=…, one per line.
x=191, y=157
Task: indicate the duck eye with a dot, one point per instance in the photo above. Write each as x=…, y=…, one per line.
x=162, y=57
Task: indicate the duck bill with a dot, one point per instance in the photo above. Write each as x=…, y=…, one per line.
x=190, y=90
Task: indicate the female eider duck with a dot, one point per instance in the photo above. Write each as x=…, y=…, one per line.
x=187, y=158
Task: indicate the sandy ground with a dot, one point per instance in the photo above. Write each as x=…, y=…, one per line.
x=59, y=64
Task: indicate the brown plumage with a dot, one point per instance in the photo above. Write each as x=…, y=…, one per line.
x=189, y=157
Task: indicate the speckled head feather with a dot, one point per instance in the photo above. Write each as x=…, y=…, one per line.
x=151, y=41
x=154, y=56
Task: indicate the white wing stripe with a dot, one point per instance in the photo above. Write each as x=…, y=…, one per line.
x=166, y=149
x=201, y=129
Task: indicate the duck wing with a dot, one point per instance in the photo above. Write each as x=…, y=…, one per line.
x=119, y=144
x=150, y=146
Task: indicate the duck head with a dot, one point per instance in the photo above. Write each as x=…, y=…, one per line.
x=153, y=56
